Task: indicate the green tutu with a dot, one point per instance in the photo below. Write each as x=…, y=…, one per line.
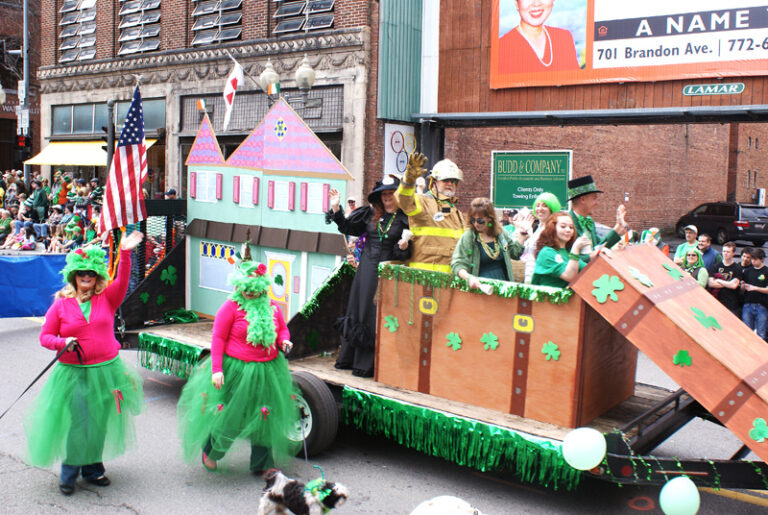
x=84, y=414
x=256, y=404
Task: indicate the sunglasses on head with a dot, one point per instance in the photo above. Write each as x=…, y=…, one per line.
x=85, y=273
x=479, y=221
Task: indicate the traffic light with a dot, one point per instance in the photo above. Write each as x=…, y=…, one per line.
x=23, y=147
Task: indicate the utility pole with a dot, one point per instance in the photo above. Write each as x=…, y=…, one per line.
x=24, y=107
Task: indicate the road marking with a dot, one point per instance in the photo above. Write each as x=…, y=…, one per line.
x=38, y=320
x=758, y=500
x=158, y=381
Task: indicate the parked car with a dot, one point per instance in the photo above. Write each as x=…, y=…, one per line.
x=728, y=221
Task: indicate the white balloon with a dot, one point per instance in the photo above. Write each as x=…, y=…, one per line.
x=584, y=448
x=679, y=497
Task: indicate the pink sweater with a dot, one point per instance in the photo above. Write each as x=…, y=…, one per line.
x=96, y=336
x=230, y=329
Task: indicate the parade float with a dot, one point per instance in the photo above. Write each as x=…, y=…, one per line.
x=494, y=382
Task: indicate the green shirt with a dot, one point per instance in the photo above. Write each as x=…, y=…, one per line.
x=5, y=226
x=85, y=307
x=550, y=265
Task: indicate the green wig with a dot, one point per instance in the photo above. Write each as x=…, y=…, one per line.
x=549, y=200
x=85, y=258
x=251, y=278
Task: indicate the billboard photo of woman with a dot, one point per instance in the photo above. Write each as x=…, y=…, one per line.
x=528, y=41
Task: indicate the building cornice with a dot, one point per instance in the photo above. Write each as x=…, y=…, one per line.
x=206, y=61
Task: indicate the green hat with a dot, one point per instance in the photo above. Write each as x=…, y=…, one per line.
x=85, y=258
x=67, y=179
x=76, y=218
x=581, y=186
x=550, y=200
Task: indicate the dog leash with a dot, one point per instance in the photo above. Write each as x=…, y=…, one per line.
x=76, y=348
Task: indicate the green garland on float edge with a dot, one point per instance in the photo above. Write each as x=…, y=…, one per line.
x=327, y=287
x=500, y=288
x=168, y=356
x=467, y=442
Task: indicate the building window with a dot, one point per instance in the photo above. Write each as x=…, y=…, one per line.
x=306, y=15
x=77, y=25
x=139, y=26
x=90, y=118
x=215, y=21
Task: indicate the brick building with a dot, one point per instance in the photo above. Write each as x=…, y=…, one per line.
x=11, y=72
x=180, y=50
x=647, y=141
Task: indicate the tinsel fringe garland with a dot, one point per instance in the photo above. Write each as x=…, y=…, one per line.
x=167, y=356
x=327, y=287
x=463, y=441
x=500, y=288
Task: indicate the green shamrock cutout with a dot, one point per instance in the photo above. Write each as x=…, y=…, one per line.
x=279, y=280
x=551, y=351
x=313, y=339
x=391, y=323
x=706, y=321
x=759, y=431
x=607, y=286
x=674, y=272
x=160, y=300
x=641, y=277
x=490, y=340
x=454, y=341
x=682, y=358
x=144, y=297
x=169, y=275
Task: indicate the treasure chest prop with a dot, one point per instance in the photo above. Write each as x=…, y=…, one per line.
x=536, y=352
x=691, y=336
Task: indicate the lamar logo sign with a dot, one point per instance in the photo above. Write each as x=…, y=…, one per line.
x=693, y=90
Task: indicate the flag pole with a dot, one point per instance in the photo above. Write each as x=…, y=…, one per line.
x=246, y=74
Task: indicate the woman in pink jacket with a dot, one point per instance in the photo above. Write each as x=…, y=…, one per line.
x=84, y=413
x=244, y=390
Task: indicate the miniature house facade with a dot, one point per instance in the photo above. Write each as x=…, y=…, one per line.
x=275, y=188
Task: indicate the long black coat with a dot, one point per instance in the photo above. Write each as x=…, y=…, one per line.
x=358, y=326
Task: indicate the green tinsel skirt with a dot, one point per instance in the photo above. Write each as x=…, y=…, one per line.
x=256, y=404
x=84, y=414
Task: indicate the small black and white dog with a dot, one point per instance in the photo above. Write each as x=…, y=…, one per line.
x=285, y=496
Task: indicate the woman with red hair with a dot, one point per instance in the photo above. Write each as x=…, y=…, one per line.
x=561, y=255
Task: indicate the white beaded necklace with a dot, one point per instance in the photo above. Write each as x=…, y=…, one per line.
x=549, y=42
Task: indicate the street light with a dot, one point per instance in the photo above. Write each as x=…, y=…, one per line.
x=266, y=79
x=305, y=78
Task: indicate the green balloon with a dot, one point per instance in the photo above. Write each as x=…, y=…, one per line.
x=679, y=497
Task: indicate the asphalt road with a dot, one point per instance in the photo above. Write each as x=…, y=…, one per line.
x=383, y=477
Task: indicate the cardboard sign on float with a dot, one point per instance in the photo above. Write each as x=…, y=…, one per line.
x=688, y=333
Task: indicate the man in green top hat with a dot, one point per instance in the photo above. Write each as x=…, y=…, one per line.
x=583, y=195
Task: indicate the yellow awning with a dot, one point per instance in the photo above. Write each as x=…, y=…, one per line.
x=74, y=153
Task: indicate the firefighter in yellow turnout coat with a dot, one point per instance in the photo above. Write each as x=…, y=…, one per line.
x=434, y=220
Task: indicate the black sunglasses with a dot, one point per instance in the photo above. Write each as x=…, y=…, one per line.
x=480, y=221
x=85, y=273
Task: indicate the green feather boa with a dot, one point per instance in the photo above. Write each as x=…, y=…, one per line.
x=251, y=278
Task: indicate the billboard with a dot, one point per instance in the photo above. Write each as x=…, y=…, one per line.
x=548, y=43
x=519, y=176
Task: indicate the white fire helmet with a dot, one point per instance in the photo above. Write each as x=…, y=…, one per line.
x=446, y=169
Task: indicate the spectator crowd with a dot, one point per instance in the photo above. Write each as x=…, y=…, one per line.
x=59, y=216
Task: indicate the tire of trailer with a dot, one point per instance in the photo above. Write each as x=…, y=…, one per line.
x=319, y=414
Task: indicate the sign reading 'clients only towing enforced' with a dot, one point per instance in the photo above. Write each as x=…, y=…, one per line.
x=519, y=176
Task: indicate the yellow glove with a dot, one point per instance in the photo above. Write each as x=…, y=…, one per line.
x=415, y=168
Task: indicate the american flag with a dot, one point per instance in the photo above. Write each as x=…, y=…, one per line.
x=124, y=199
